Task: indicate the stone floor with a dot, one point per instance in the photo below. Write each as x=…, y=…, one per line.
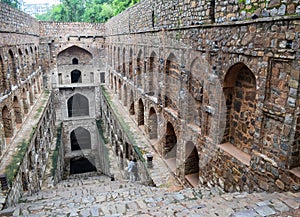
x=99, y=196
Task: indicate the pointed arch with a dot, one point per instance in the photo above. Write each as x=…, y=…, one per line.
x=171, y=79
x=125, y=95
x=239, y=88
x=75, y=61
x=30, y=94
x=76, y=76
x=131, y=100
x=152, y=86
x=25, y=101
x=139, y=67
x=78, y=105
x=123, y=62
x=120, y=89
x=169, y=149
x=3, y=84
x=7, y=123
x=118, y=60
x=17, y=110
x=130, y=63
x=141, y=111
x=66, y=56
x=12, y=70
x=80, y=139
x=153, y=126
x=191, y=164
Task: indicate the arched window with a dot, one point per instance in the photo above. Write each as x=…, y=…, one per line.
x=75, y=61
x=80, y=139
x=78, y=105
x=76, y=76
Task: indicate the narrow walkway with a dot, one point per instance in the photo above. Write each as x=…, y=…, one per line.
x=24, y=133
x=160, y=173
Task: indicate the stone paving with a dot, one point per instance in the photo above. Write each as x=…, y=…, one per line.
x=99, y=196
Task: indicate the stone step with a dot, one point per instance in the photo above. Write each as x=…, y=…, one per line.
x=99, y=196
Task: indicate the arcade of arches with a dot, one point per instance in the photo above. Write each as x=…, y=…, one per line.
x=219, y=102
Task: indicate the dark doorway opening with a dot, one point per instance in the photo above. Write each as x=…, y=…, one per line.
x=81, y=165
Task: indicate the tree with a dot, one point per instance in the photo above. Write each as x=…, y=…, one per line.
x=12, y=3
x=86, y=10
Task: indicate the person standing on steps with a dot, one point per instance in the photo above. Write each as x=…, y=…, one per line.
x=132, y=169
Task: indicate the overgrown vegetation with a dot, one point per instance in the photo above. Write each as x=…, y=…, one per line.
x=56, y=151
x=94, y=11
x=124, y=126
x=13, y=167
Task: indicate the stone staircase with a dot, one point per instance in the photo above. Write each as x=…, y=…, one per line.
x=99, y=196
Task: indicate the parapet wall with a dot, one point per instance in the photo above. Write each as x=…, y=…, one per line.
x=15, y=21
x=149, y=15
x=70, y=29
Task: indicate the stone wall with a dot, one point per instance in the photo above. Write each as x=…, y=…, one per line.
x=51, y=29
x=15, y=21
x=30, y=174
x=199, y=66
x=120, y=138
x=153, y=15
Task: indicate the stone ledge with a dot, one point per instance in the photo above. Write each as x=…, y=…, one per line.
x=235, y=152
x=296, y=171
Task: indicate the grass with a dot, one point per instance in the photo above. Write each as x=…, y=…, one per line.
x=13, y=167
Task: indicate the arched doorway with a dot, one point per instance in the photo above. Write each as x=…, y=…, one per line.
x=131, y=108
x=171, y=80
x=152, y=86
x=139, y=66
x=152, y=124
x=141, y=120
x=82, y=165
x=7, y=123
x=240, y=92
x=170, y=147
x=80, y=139
x=30, y=94
x=120, y=89
x=25, y=101
x=125, y=95
x=191, y=164
x=76, y=76
x=123, y=63
x=12, y=70
x=17, y=111
x=130, y=64
x=78, y=105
